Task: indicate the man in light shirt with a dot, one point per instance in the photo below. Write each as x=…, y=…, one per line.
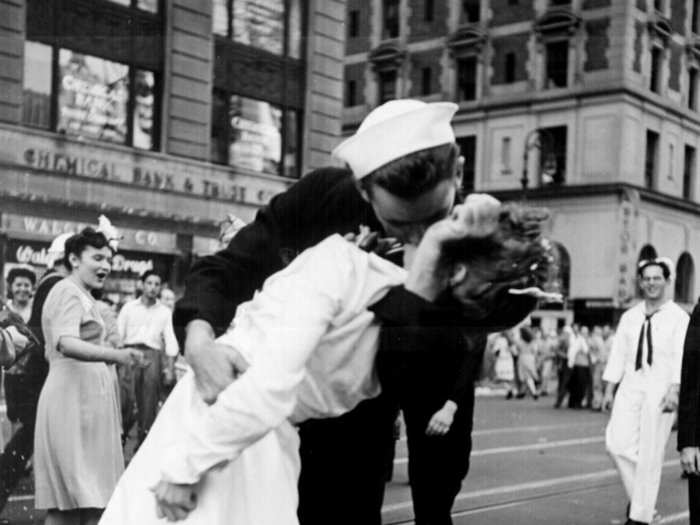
x=645, y=360
x=146, y=324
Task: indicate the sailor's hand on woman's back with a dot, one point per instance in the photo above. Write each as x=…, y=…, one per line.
x=215, y=365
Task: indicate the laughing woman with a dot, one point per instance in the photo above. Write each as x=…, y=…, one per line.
x=77, y=446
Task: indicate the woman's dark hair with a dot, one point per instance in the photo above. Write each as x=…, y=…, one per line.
x=20, y=272
x=145, y=275
x=414, y=174
x=77, y=243
x=514, y=256
x=526, y=334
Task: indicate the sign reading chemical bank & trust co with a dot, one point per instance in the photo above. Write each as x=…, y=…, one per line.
x=143, y=169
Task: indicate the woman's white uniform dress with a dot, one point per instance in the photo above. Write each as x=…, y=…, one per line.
x=311, y=344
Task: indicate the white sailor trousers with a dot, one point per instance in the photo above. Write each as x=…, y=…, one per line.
x=636, y=438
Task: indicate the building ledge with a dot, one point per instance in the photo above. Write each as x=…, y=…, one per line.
x=618, y=189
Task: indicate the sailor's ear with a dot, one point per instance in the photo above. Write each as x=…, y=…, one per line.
x=458, y=273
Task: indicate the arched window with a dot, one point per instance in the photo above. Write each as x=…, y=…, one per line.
x=685, y=279
x=560, y=278
x=647, y=252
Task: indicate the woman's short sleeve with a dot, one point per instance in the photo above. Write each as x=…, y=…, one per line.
x=66, y=314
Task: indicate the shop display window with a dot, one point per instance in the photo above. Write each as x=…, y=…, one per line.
x=275, y=26
x=257, y=136
x=93, y=95
x=94, y=99
x=36, y=91
x=145, y=5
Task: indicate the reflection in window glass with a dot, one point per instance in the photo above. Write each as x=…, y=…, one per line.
x=92, y=97
x=36, y=94
x=291, y=146
x=144, y=105
x=294, y=36
x=148, y=5
x=259, y=23
x=219, y=121
x=219, y=17
x=256, y=135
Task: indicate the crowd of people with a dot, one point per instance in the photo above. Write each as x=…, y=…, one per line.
x=307, y=334
x=102, y=372
x=566, y=363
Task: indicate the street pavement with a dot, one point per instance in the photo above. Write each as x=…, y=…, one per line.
x=531, y=464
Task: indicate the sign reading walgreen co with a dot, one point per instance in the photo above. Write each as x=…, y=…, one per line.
x=154, y=171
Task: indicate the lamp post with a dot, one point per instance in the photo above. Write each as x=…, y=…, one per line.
x=542, y=140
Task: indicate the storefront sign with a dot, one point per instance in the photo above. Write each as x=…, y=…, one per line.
x=43, y=228
x=146, y=170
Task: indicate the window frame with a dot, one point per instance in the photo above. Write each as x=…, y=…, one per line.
x=130, y=104
x=547, y=55
x=458, y=84
x=283, y=134
x=286, y=33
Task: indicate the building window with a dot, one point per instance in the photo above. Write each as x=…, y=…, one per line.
x=688, y=172
x=506, y=156
x=685, y=279
x=354, y=24
x=94, y=98
x=659, y=6
x=671, y=162
x=390, y=18
x=693, y=89
x=467, y=146
x=471, y=11
x=655, y=75
x=145, y=5
x=558, y=150
x=650, y=164
x=275, y=26
x=255, y=135
x=466, y=78
x=426, y=81
x=695, y=13
x=509, y=66
x=557, y=64
x=350, y=93
x=36, y=92
x=429, y=10
x=387, y=86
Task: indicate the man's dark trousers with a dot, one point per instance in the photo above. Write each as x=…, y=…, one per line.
x=694, y=499
x=437, y=464
x=23, y=394
x=357, y=444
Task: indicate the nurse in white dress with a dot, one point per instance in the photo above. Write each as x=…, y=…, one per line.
x=311, y=343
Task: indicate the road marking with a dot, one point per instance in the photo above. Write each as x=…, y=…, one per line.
x=26, y=497
x=520, y=448
x=535, y=428
x=545, y=483
x=673, y=518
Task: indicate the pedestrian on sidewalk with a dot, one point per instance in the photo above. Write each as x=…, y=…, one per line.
x=77, y=447
x=146, y=324
x=31, y=369
x=645, y=361
x=689, y=414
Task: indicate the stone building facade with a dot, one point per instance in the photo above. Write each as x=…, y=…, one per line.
x=165, y=115
x=610, y=85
